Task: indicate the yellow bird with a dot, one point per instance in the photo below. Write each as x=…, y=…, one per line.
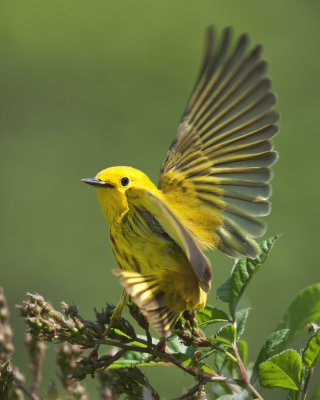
x=213, y=184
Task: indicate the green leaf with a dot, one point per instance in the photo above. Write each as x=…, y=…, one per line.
x=226, y=397
x=270, y=347
x=242, y=273
x=223, y=291
x=210, y=315
x=220, y=358
x=282, y=370
x=131, y=358
x=6, y=378
x=244, y=270
x=183, y=358
x=186, y=360
x=205, y=353
x=304, y=309
x=241, y=319
x=226, y=334
x=312, y=350
x=175, y=345
x=243, y=351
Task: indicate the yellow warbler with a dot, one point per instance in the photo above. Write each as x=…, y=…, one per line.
x=213, y=184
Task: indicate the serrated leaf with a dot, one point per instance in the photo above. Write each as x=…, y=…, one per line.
x=244, y=270
x=241, y=319
x=220, y=358
x=312, y=350
x=242, y=273
x=210, y=315
x=223, y=291
x=243, y=351
x=219, y=361
x=282, y=370
x=175, y=344
x=270, y=347
x=304, y=309
x=226, y=334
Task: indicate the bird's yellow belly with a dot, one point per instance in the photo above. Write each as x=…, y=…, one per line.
x=143, y=250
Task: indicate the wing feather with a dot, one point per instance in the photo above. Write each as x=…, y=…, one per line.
x=216, y=173
x=172, y=225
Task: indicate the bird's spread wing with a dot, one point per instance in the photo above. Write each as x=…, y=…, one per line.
x=138, y=196
x=216, y=173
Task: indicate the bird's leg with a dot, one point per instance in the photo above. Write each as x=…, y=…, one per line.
x=162, y=345
x=115, y=317
x=117, y=312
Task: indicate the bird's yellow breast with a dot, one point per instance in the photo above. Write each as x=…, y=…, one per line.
x=141, y=245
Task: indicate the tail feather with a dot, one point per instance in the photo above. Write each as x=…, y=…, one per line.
x=146, y=293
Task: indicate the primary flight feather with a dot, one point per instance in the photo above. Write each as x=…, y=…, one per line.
x=214, y=183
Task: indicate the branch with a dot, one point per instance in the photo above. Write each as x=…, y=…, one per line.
x=307, y=381
x=26, y=391
x=243, y=374
x=306, y=384
x=226, y=353
x=170, y=358
x=193, y=390
x=36, y=350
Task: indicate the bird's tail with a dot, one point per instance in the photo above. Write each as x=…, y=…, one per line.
x=146, y=292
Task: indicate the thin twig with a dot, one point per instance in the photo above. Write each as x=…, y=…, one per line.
x=116, y=357
x=306, y=383
x=170, y=358
x=244, y=376
x=226, y=353
x=36, y=381
x=27, y=392
x=149, y=338
x=308, y=377
x=194, y=389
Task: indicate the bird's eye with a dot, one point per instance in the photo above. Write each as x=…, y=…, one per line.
x=125, y=181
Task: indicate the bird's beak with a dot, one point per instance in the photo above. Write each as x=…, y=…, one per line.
x=97, y=182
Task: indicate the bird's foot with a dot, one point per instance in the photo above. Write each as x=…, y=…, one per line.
x=161, y=346
x=93, y=358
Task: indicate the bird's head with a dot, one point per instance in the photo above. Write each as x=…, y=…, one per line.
x=112, y=184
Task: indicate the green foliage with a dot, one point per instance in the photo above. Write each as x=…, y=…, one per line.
x=304, y=310
x=282, y=370
x=220, y=358
x=270, y=347
x=241, y=319
x=312, y=350
x=226, y=334
x=6, y=379
x=210, y=315
x=242, y=273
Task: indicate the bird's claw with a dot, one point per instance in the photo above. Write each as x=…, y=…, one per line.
x=161, y=346
x=93, y=357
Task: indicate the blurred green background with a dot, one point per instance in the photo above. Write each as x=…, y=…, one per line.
x=86, y=85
